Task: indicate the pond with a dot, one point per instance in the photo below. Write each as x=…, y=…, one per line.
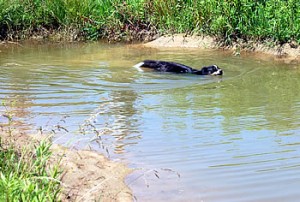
x=191, y=138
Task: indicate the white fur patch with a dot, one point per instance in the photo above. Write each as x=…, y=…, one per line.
x=138, y=66
x=217, y=72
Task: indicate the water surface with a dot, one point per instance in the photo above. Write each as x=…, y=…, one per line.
x=192, y=138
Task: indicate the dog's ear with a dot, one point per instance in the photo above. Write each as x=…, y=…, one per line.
x=207, y=70
x=204, y=71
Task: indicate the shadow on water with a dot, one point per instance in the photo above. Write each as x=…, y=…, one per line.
x=229, y=138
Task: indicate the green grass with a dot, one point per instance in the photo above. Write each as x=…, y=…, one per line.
x=278, y=20
x=24, y=175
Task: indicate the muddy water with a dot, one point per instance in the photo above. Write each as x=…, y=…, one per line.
x=192, y=138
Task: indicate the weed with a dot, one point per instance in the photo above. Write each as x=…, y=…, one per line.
x=24, y=172
x=117, y=20
x=24, y=175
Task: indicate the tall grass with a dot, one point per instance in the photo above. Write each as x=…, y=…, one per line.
x=24, y=175
x=278, y=20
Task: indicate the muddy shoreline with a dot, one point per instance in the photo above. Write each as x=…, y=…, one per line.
x=288, y=52
x=86, y=175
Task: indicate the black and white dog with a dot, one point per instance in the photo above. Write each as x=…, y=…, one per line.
x=163, y=66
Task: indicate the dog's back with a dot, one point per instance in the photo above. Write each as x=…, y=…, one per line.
x=163, y=66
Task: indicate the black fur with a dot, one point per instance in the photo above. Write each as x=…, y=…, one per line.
x=163, y=66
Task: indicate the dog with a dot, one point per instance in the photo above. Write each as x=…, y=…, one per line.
x=164, y=66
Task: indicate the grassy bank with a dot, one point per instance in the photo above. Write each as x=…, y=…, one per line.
x=25, y=176
x=25, y=172
x=276, y=20
x=32, y=168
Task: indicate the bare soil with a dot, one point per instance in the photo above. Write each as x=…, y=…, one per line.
x=86, y=176
x=289, y=52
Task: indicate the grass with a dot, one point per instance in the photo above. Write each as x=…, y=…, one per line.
x=278, y=20
x=25, y=174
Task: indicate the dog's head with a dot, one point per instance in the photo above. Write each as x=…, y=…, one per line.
x=211, y=70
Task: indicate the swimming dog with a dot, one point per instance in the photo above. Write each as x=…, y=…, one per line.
x=164, y=66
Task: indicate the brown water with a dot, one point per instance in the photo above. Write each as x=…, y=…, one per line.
x=230, y=138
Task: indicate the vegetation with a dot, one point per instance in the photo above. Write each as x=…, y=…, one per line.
x=25, y=174
x=24, y=177
x=278, y=20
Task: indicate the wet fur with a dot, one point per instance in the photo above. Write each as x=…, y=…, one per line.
x=164, y=66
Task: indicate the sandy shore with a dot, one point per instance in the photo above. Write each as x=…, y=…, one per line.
x=288, y=52
x=87, y=175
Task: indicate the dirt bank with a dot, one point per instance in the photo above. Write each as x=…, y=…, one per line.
x=87, y=175
x=288, y=52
